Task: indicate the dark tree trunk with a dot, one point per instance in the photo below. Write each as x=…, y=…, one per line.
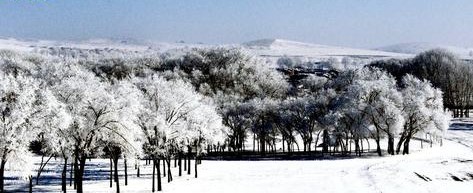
x=64, y=176
x=31, y=184
x=326, y=141
x=262, y=145
x=126, y=173
x=111, y=173
x=41, y=168
x=406, y=146
x=76, y=171
x=180, y=163
x=357, y=147
x=152, y=175
x=169, y=170
x=195, y=166
x=138, y=171
x=70, y=174
x=399, y=143
x=391, y=144
x=2, y=175
x=254, y=141
x=184, y=156
x=159, y=175
x=80, y=174
x=117, y=182
x=378, y=147
x=164, y=168
x=188, y=160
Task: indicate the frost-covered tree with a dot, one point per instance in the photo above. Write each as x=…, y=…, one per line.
x=96, y=113
x=174, y=118
x=18, y=108
x=423, y=111
x=237, y=117
x=378, y=98
x=307, y=114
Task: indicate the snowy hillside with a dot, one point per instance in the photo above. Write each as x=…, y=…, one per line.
x=93, y=44
x=267, y=48
x=274, y=48
x=415, y=48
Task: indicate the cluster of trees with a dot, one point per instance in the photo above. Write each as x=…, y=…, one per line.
x=185, y=103
x=357, y=105
x=76, y=114
x=444, y=70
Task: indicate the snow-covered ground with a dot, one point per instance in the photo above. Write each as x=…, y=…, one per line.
x=436, y=169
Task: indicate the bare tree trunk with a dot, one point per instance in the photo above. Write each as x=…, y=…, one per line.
x=80, y=175
x=76, y=171
x=184, y=156
x=391, y=144
x=30, y=178
x=2, y=174
x=406, y=146
x=117, y=182
x=188, y=160
x=71, y=173
x=152, y=175
x=254, y=141
x=164, y=167
x=169, y=170
x=195, y=166
x=111, y=172
x=159, y=174
x=378, y=147
x=357, y=147
x=180, y=163
x=41, y=168
x=126, y=173
x=64, y=176
x=283, y=148
x=399, y=143
x=326, y=141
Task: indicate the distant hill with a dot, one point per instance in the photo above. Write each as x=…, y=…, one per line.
x=416, y=48
x=280, y=47
x=270, y=49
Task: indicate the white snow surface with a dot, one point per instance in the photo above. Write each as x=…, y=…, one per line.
x=386, y=174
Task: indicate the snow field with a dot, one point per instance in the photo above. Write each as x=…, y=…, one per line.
x=370, y=174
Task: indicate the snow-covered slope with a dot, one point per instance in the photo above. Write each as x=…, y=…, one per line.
x=269, y=49
x=94, y=44
x=280, y=47
x=29, y=45
x=415, y=48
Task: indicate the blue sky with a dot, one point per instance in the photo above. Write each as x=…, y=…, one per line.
x=356, y=23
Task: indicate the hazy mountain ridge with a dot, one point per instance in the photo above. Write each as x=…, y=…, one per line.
x=416, y=48
x=279, y=47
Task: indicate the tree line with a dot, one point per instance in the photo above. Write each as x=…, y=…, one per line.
x=183, y=104
x=444, y=70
